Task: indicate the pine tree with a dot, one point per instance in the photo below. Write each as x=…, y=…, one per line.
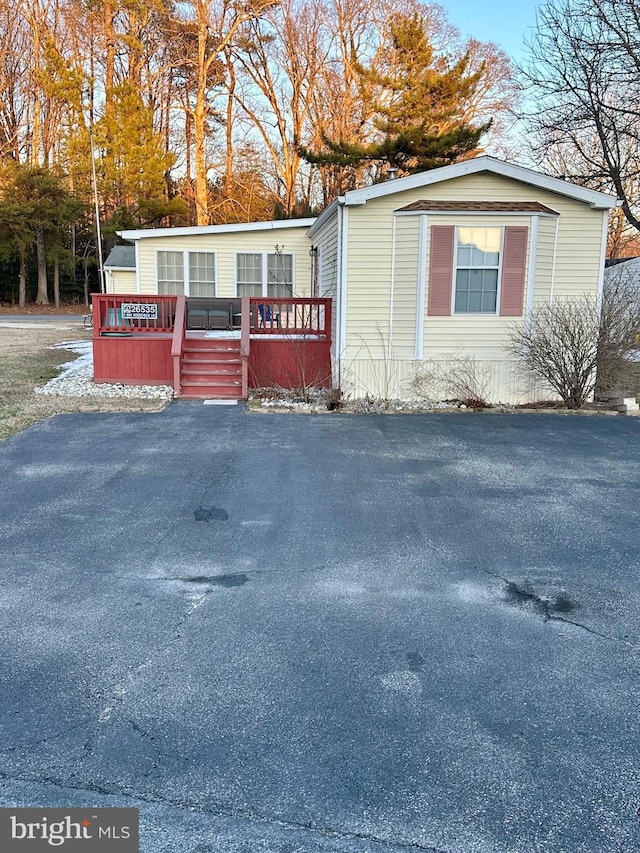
x=419, y=109
x=132, y=165
x=35, y=211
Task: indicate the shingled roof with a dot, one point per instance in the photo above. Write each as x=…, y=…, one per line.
x=478, y=207
x=121, y=257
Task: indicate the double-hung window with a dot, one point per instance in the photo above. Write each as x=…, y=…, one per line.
x=186, y=273
x=202, y=274
x=477, y=270
x=264, y=274
x=249, y=274
x=170, y=267
x=279, y=275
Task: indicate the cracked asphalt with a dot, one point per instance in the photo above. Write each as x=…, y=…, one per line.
x=326, y=634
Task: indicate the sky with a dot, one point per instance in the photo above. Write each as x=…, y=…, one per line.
x=505, y=22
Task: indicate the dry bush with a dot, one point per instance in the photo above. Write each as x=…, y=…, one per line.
x=455, y=377
x=558, y=343
x=577, y=345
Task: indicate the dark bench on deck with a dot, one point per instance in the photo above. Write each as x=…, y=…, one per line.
x=209, y=314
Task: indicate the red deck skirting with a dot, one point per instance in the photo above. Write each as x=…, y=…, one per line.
x=296, y=363
x=133, y=361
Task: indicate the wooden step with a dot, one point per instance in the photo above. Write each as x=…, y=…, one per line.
x=211, y=368
x=213, y=380
x=198, y=368
x=207, y=388
x=210, y=389
x=210, y=355
x=205, y=343
x=227, y=358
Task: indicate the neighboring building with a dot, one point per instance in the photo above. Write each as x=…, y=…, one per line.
x=426, y=272
x=120, y=270
x=625, y=271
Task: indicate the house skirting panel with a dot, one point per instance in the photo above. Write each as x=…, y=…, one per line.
x=446, y=378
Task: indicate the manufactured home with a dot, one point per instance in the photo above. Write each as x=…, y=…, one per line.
x=388, y=292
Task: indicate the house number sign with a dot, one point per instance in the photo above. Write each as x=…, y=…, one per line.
x=139, y=311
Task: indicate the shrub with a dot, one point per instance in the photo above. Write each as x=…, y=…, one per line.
x=577, y=345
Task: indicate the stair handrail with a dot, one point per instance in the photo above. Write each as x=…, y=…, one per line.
x=177, y=342
x=245, y=343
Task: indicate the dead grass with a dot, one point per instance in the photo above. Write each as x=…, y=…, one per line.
x=26, y=362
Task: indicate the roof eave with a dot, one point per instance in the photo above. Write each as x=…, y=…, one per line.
x=326, y=214
x=484, y=163
x=201, y=230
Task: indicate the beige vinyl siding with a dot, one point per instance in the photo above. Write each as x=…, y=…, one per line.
x=369, y=273
x=480, y=333
x=405, y=290
x=578, y=254
x=543, y=285
x=121, y=281
x=579, y=238
x=327, y=242
x=291, y=241
x=396, y=379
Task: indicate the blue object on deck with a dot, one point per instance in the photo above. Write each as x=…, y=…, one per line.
x=113, y=315
x=267, y=316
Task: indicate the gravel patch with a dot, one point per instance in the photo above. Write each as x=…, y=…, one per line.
x=279, y=401
x=76, y=379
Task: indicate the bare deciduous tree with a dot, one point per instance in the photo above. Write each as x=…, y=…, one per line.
x=583, y=80
x=281, y=56
x=207, y=30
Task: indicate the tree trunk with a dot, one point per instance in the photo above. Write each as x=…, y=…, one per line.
x=22, y=281
x=56, y=283
x=43, y=296
x=229, y=166
x=199, y=137
x=37, y=116
x=200, y=118
x=189, y=185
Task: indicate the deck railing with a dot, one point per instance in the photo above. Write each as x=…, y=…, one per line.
x=121, y=314
x=290, y=316
x=177, y=342
x=132, y=313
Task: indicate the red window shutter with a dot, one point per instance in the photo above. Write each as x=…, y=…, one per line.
x=441, y=270
x=514, y=262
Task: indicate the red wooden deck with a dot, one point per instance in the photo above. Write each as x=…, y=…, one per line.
x=282, y=343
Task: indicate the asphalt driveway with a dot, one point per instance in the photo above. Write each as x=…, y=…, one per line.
x=326, y=633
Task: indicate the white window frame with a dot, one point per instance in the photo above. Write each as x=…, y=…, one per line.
x=186, y=269
x=262, y=269
x=188, y=254
x=157, y=260
x=456, y=268
x=265, y=267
